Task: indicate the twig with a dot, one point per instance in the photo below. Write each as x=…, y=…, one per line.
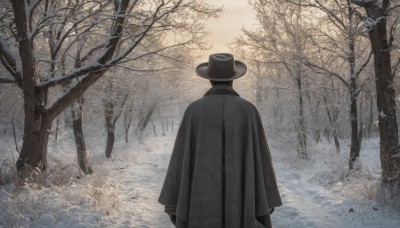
x=15, y=137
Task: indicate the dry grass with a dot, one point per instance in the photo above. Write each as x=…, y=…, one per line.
x=62, y=175
x=8, y=172
x=104, y=194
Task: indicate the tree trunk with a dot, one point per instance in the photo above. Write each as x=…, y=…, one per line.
x=77, y=119
x=56, y=129
x=127, y=134
x=37, y=123
x=110, y=140
x=355, y=140
x=332, y=120
x=38, y=119
x=370, y=118
x=127, y=126
x=14, y=133
x=277, y=108
x=336, y=139
x=327, y=134
x=389, y=141
x=128, y=121
x=110, y=126
x=37, y=128
x=154, y=130
x=314, y=109
x=301, y=129
x=162, y=128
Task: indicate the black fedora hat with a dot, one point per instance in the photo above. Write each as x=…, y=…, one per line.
x=221, y=67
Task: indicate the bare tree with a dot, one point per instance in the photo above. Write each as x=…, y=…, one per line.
x=27, y=24
x=342, y=16
x=282, y=38
x=112, y=115
x=381, y=37
x=332, y=111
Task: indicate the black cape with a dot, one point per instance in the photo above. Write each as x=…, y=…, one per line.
x=220, y=173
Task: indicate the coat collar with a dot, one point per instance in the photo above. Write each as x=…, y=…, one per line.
x=221, y=89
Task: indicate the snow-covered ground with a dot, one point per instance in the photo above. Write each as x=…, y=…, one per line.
x=124, y=190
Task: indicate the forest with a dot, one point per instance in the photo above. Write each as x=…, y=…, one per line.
x=92, y=93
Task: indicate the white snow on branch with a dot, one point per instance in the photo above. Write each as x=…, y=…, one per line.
x=370, y=23
x=49, y=81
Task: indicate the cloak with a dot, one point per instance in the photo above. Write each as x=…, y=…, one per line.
x=220, y=174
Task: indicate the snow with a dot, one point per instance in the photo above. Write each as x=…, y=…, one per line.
x=124, y=190
x=370, y=23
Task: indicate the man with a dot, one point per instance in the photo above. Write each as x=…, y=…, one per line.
x=220, y=174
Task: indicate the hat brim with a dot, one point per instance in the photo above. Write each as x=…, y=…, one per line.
x=240, y=70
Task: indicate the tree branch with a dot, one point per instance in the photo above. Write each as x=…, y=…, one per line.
x=73, y=27
x=392, y=31
x=100, y=63
x=365, y=64
x=149, y=27
x=93, y=76
x=393, y=8
x=6, y=80
x=312, y=65
x=86, y=70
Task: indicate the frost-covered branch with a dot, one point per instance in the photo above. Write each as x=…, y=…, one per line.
x=85, y=70
x=112, y=62
x=139, y=70
x=93, y=74
x=154, y=19
x=360, y=88
x=72, y=28
x=317, y=4
x=323, y=69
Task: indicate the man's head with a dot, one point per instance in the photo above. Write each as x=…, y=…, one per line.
x=221, y=67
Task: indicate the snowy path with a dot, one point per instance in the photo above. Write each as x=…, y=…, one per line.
x=309, y=205
x=139, y=187
x=303, y=206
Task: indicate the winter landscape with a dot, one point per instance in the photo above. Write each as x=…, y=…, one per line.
x=92, y=94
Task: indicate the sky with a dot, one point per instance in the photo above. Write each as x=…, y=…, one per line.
x=223, y=30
